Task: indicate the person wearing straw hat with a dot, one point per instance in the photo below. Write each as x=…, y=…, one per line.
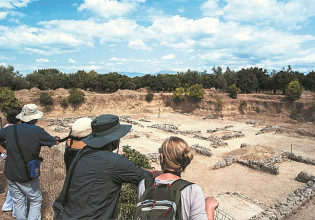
x=93, y=182
x=30, y=138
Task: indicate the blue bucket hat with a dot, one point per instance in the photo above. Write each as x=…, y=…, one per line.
x=105, y=129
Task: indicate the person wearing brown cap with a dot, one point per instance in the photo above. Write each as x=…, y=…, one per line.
x=93, y=182
x=23, y=144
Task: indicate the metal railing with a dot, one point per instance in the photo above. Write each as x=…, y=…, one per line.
x=220, y=215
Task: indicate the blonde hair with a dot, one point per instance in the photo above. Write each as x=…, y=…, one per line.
x=177, y=154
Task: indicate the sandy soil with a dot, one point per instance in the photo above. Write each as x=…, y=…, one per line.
x=236, y=178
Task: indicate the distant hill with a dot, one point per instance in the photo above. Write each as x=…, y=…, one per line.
x=134, y=74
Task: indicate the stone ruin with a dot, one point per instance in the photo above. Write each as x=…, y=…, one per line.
x=215, y=141
x=270, y=128
x=291, y=204
x=172, y=128
x=268, y=165
x=201, y=150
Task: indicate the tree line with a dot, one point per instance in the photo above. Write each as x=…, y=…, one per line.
x=249, y=80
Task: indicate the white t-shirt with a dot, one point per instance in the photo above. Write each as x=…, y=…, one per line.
x=192, y=199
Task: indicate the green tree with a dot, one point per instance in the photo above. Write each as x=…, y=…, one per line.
x=246, y=81
x=8, y=99
x=230, y=77
x=294, y=91
x=233, y=91
x=189, y=77
x=220, y=82
x=310, y=81
x=178, y=95
x=45, y=99
x=76, y=96
x=195, y=92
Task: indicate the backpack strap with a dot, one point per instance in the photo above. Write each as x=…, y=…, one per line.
x=81, y=153
x=178, y=184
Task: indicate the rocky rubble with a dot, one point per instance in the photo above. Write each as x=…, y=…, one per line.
x=128, y=119
x=201, y=150
x=172, y=128
x=269, y=128
x=226, y=162
x=215, y=141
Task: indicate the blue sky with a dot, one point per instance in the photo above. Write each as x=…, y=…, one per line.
x=149, y=36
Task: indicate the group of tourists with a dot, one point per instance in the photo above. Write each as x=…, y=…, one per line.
x=95, y=172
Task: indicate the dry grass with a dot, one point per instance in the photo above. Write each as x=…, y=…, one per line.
x=53, y=173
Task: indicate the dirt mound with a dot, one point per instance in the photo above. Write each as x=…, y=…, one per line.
x=254, y=152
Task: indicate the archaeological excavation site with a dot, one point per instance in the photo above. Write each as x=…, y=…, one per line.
x=257, y=161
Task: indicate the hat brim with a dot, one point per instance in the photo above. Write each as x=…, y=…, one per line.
x=98, y=142
x=28, y=118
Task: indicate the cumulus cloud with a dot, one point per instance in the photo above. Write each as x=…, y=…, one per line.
x=291, y=13
x=169, y=57
x=10, y=4
x=109, y=8
x=42, y=60
x=138, y=45
x=70, y=60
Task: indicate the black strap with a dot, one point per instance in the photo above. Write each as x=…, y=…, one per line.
x=176, y=173
x=18, y=145
x=81, y=153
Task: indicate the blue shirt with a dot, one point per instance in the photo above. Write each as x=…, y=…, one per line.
x=31, y=139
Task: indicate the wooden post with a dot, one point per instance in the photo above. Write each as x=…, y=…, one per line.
x=291, y=153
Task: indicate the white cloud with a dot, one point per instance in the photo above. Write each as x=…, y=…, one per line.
x=10, y=4
x=138, y=45
x=42, y=60
x=116, y=59
x=169, y=57
x=109, y=8
x=70, y=60
x=3, y=14
x=287, y=14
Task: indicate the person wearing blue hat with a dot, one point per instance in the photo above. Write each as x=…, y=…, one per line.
x=94, y=179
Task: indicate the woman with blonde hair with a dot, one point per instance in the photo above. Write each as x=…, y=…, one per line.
x=175, y=156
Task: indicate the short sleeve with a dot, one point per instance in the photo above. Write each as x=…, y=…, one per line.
x=193, y=203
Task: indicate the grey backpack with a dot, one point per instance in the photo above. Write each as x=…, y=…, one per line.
x=162, y=201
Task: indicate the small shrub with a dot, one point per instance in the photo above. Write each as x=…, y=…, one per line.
x=8, y=99
x=167, y=102
x=195, y=92
x=128, y=195
x=76, y=96
x=45, y=99
x=293, y=91
x=296, y=111
x=149, y=96
x=233, y=91
x=243, y=105
x=178, y=95
x=258, y=109
x=47, y=108
x=219, y=105
x=64, y=102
